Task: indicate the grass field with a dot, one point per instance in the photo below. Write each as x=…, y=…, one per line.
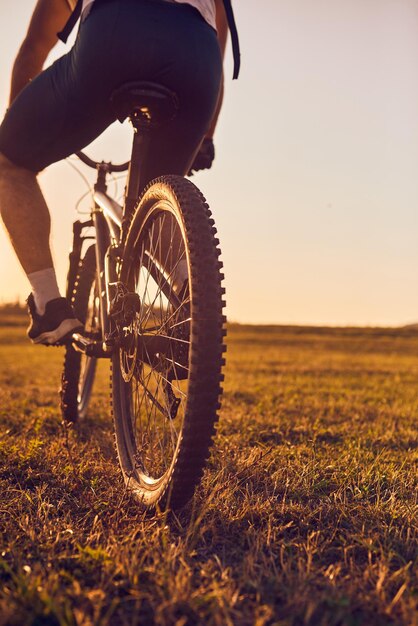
x=307, y=514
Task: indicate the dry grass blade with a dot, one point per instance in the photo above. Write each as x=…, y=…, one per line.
x=307, y=514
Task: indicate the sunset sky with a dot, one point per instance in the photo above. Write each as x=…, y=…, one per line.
x=315, y=187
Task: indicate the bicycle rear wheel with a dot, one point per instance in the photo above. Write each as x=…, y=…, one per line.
x=166, y=373
x=79, y=369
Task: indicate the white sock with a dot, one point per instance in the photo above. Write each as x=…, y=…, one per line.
x=44, y=288
x=180, y=274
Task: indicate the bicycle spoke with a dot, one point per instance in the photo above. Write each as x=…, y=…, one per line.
x=159, y=382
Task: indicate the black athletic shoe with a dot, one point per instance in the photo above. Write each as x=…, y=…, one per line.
x=56, y=325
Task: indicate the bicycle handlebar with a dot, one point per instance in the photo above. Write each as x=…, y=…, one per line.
x=95, y=164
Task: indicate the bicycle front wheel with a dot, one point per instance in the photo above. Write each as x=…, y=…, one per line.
x=167, y=368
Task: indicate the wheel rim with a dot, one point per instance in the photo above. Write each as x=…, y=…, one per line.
x=156, y=379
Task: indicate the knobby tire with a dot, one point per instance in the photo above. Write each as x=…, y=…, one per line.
x=152, y=478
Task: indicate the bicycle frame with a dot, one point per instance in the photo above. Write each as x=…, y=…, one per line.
x=108, y=218
x=159, y=321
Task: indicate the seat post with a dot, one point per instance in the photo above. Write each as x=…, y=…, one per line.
x=148, y=106
x=141, y=141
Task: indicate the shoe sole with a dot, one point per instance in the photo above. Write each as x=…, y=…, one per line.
x=60, y=335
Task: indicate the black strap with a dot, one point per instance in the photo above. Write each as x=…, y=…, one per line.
x=71, y=22
x=234, y=37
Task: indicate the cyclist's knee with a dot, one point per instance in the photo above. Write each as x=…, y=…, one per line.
x=8, y=168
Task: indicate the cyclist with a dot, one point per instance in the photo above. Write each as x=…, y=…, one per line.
x=56, y=112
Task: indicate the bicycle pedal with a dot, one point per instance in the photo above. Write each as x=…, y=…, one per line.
x=87, y=346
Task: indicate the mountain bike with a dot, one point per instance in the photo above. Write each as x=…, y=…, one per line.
x=147, y=287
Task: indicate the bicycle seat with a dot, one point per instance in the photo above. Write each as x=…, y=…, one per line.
x=144, y=100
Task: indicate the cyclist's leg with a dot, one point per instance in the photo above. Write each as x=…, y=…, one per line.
x=25, y=215
x=42, y=126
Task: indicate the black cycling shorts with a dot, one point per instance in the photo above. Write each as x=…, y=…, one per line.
x=68, y=105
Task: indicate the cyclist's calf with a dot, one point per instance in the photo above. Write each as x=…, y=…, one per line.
x=25, y=215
